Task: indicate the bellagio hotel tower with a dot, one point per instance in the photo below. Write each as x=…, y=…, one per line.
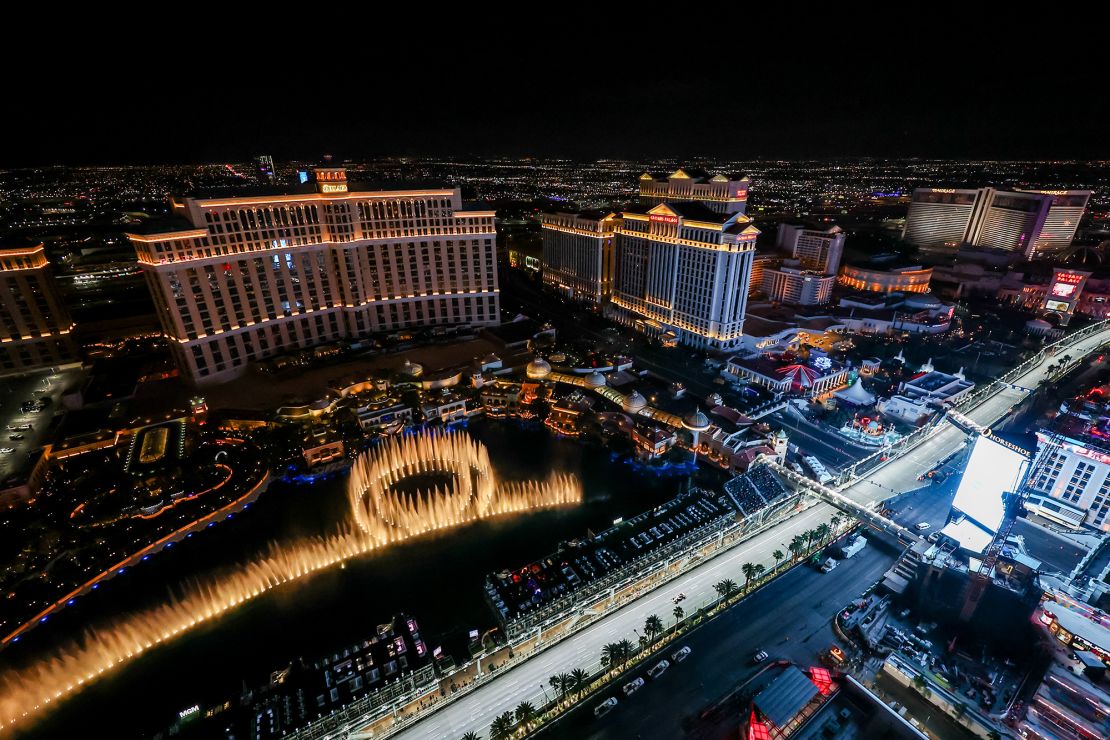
x=240, y=279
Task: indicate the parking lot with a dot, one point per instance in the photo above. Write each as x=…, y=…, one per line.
x=42, y=388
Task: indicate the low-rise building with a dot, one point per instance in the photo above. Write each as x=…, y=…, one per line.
x=789, y=376
x=886, y=274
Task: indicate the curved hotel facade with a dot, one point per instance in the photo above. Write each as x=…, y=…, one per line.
x=1025, y=221
x=243, y=278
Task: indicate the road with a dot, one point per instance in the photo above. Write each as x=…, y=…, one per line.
x=832, y=449
x=790, y=618
x=527, y=681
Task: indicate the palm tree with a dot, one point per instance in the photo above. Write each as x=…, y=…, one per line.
x=759, y=569
x=525, y=714
x=678, y=613
x=810, y=535
x=558, y=684
x=653, y=625
x=797, y=546
x=578, y=679
x=823, y=532
x=778, y=556
x=724, y=588
x=502, y=727
x=470, y=736
x=749, y=573
x=835, y=521
x=610, y=655
x=626, y=650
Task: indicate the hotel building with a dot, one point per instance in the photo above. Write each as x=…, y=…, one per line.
x=240, y=279
x=1070, y=482
x=683, y=273
x=35, y=328
x=940, y=217
x=796, y=287
x=1024, y=221
x=579, y=257
x=819, y=250
x=720, y=193
x=1063, y=218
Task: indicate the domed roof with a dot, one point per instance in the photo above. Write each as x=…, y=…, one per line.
x=538, y=368
x=1037, y=324
x=411, y=369
x=634, y=402
x=781, y=434
x=595, y=379
x=696, y=421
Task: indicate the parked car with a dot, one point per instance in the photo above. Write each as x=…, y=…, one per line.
x=15, y=437
x=922, y=526
x=681, y=654
x=760, y=656
x=657, y=670
x=6, y=450
x=633, y=686
x=828, y=565
x=604, y=707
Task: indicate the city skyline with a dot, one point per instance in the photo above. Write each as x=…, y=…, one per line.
x=588, y=377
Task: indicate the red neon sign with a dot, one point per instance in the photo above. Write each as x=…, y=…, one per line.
x=664, y=219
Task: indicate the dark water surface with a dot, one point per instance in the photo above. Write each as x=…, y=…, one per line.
x=437, y=579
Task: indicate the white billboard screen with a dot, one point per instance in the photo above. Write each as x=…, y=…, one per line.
x=991, y=470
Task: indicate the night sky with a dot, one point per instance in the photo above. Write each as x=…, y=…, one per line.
x=183, y=99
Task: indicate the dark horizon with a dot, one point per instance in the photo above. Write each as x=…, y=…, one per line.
x=513, y=95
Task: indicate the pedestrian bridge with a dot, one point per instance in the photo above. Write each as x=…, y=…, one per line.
x=845, y=504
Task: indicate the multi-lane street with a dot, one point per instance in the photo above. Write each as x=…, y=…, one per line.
x=528, y=680
x=790, y=618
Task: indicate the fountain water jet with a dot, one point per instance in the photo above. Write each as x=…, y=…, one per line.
x=379, y=518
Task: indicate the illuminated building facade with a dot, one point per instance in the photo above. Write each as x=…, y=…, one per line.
x=683, y=273
x=796, y=287
x=1071, y=482
x=761, y=262
x=1064, y=214
x=243, y=278
x=720, y=193
x=940, y=217
x=264, y=164
x=818, y=250
x=1024, y=221
x=880, y=279
x=35, y=327
x=1010, y=221
x=579, y=257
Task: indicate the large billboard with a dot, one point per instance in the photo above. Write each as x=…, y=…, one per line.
x=1064, y=291
x=991, y=470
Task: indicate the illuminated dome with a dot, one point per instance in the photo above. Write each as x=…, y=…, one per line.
x=411, y=369
x=634, y=402
x=696, y=421
x=595, y=379
x=538, y=369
